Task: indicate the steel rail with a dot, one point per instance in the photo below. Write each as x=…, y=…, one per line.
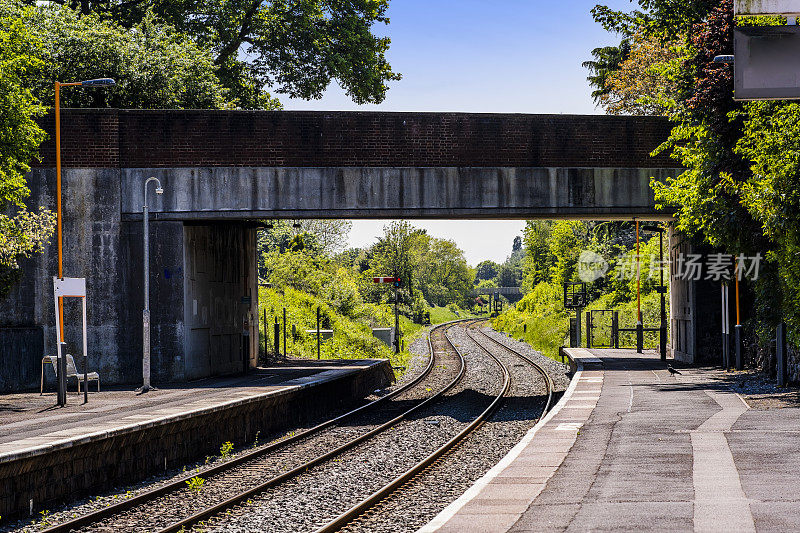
x=210, y=511
x=547, y=378
x=369, y=502
x=180, y=483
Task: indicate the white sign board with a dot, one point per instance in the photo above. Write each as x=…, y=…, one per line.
x=66, y=287
x=767, y=63
x=766, y=7
x=69, y=288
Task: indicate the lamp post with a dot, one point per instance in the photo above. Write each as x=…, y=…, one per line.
x=146, y=312
x=101, y=82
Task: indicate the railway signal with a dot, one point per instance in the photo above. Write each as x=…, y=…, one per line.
x=396, y=283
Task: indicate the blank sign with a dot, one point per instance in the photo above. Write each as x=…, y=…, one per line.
x=767, y=63
x=766, y=7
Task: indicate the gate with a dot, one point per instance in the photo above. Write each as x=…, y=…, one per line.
x=601, y=328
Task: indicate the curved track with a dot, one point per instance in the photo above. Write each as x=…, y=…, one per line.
x=404, y=481
x=246, y=465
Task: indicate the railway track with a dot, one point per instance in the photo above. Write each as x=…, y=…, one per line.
x=366, y=509
x=285, y=465
x=271, y=461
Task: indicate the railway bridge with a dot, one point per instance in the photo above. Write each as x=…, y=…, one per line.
x=223, y=171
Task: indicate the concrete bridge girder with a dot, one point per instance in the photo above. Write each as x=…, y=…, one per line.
x=402, y=192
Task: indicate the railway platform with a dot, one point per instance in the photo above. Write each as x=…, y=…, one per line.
x=632, y=447
x=50, y=454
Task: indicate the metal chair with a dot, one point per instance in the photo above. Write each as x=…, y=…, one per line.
x=72, y=372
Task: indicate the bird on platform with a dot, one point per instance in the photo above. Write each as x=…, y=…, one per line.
x=672, y=370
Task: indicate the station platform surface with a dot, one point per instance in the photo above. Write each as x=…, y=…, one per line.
x=30, y=421
x=51, y=455
x=632, y=447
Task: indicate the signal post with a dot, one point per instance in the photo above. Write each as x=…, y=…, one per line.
x=396, y=283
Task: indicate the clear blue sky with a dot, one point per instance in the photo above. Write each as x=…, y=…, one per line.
x=503, y=56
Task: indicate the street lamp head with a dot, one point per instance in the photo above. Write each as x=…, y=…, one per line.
x=99, y=82
x=159, y=190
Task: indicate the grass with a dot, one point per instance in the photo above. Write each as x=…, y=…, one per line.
x=446, y=314
x=352, y=326
x=352, y=333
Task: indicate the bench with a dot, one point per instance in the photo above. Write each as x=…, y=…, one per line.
x=72, y=372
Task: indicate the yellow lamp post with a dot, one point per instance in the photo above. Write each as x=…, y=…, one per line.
x=101, y=82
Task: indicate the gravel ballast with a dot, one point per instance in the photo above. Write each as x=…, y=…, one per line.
x=309, y=501
x=413, y=506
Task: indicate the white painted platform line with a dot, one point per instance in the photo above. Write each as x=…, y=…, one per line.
x=448, y=512
x=714, y=471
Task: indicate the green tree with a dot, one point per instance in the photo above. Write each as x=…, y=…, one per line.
x=666, y=20
x=443, y=275
x=486, y=270
x=153, y=65
x=771, y=142
x=707, y=195
x=644, y=83
x=393, y=254
x=331, y=234
x=22, y=232
x=509, y=275
x=567, y=239
x=538, y=259
x=606, y=60
x=293, y=47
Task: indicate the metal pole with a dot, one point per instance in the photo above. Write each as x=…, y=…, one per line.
x=737, y=337
x=638, y=278
x=319, y=352
x=58, y=206
x=780, y=354
x=61, y=397
x=146, y=311
x=284, y=333
x=615, y=328
x=726, y=363
x=85, y=357
x=266, y=337
x=62, y=375
x=277, y=331
x=588, y=329
x=396, y=322
x=639, y=337
x=639, y=325
x=578, y=333
x=662, y=332
x=61, y=364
